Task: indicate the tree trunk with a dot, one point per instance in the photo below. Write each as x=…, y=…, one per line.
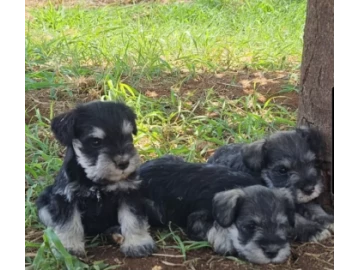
x=317, y=79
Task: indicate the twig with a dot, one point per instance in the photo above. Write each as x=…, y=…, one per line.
x=30, y=254
x=172, y=264
x=281, y=77
x=167, y=255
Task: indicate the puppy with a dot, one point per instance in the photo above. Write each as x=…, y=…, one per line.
x=96, y=190
x=254, y=222
x=250, y=222
x=288, y=159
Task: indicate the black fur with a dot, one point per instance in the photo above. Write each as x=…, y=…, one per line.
x=180, y=188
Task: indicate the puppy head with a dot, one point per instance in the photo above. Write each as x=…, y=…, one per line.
x=258, y=220
x=101, y=135
x=290, y=159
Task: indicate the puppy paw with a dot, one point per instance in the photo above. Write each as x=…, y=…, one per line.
x=118, y=238
x=330, y=227
x=136, y=246
x=75, y=248
x=327, y=222
x=320, y=236
x=80, y=253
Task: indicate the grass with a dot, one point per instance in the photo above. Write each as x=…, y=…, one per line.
x=148, y=41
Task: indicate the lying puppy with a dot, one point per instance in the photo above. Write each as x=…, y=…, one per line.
x=286, y=159
x=96, y=190
x=250, y=222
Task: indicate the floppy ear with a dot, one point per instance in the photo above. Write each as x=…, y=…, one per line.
x=289, y=203
x=314, y=138
x=63, y=127
x=253, y=154
x=225, y=206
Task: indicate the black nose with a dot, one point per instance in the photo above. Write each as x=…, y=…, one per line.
x=308, y=190
x=270, y=250
x=271, y=254
x=123, y=165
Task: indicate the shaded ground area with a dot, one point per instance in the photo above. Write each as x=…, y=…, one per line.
x=305, y=256
x=232, y=85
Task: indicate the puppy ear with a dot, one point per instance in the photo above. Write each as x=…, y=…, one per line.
x=253, y=154
x=288, y=197
x=225, y=206
x=63, y=127
x=314, y=138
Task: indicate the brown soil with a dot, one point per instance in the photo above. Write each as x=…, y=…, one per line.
x=230, y=85
x=305, y=256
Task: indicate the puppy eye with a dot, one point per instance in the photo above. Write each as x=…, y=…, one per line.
x=282, y=170
x=95, y=142
x=249, y=227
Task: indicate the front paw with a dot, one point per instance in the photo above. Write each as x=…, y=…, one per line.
x=75, y=248
x=136, y=246
x=330, y=227
x=117, y=238
x=327, y=222
x=80, y=253
x=321, y=235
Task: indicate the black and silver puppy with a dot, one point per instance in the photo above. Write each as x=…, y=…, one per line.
x=288, y=159
x=215, y=204
x=96, y=190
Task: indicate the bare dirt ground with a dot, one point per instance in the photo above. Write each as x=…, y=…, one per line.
x=303, y=256
x=231, y=85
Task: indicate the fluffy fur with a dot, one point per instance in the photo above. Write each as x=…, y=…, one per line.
x=215, y=204
x=96, y=190
x=290, y=159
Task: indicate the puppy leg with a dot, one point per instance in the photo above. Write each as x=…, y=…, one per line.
x=68, y=228
x=154, y=213
x=306, y=230
x=134, y=229
x=315, y=212
x=198, y=225
x=64, y=218
x=221, y=240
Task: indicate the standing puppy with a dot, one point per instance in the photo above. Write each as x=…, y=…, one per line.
x=96, y=189
x=221, y=206
x=286, y=159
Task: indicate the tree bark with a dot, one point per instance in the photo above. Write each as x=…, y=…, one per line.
x=317, y=78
